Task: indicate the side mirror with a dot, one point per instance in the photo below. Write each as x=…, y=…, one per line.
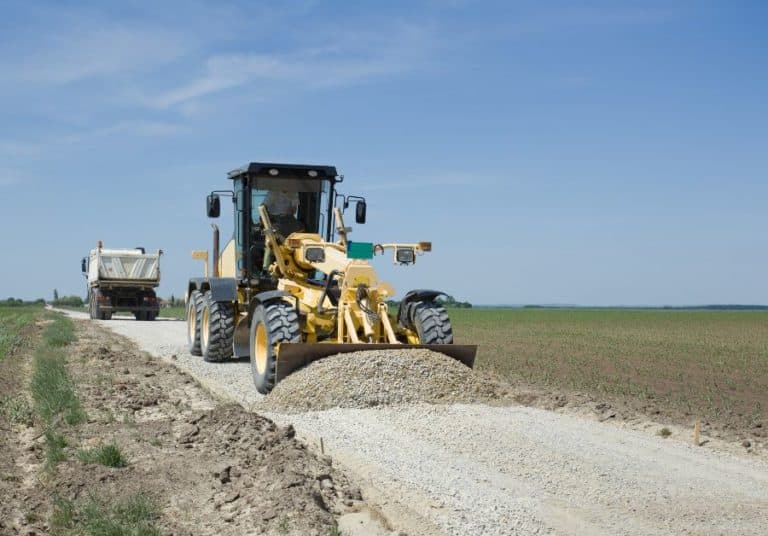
x=83, y=266
x=360, y=212
x=213, y=206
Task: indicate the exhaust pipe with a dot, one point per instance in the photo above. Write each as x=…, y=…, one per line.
x=215, y=270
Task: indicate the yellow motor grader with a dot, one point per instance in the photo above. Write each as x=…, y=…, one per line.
x=290, y=287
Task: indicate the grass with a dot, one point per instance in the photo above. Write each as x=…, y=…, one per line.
x=133, y=516
x=108, y=455
x=52, y=388
x=713, y=363
x=17, y=410
x=54, y=448
x=53, y=393
x=12, y=322
x=180, y=313
x=59, y=333
x=63, y=514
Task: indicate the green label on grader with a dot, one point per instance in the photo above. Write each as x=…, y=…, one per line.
x=359, y=250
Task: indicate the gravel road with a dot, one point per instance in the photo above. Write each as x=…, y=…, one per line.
x=475, y=469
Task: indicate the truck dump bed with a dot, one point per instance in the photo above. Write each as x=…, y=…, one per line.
x=128, y=266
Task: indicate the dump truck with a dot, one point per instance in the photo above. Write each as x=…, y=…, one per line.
x=122, y=280
x=291, y=286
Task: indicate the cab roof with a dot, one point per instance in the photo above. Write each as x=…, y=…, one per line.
x=285, y=170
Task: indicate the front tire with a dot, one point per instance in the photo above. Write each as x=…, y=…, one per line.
x=194, y=308
x=432, y=323
x=217, y=327
x=271, y=323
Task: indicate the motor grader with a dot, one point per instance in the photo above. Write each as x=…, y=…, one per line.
x=290, y=287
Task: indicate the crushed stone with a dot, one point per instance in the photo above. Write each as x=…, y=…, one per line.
x=382, y=378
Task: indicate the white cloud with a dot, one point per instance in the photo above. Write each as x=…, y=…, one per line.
x=355, y=58
x=85, y=51
x=140, y=128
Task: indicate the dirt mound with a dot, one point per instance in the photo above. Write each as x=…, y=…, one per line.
x=382, y=378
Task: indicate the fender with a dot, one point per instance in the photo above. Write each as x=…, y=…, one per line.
x=242, y=344
x=267, y=296
x=408, y=305
x=223, y=289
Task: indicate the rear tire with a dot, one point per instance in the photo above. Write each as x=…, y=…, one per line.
x=97, y=313
x=432, y=323
x=271, y=323
x=217, y=327
x=194, y=308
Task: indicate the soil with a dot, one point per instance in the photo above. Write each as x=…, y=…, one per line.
x=211, y=468
x=17, y=479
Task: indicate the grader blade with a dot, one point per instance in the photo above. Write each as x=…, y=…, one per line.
x=293, y=356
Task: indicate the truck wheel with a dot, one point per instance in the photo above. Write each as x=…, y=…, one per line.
x=194, y=306
x=98, y=314
x=217, y=327
x=139, y=315
x=106, y=316
x=432, y=323
x=271, y=323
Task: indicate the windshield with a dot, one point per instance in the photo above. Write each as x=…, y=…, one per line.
x=303, y=202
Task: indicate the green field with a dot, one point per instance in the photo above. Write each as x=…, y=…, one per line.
x=712, y=364
x=173, y=312
x=12, y=323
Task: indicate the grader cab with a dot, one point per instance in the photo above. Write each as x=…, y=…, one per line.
x=290, y=287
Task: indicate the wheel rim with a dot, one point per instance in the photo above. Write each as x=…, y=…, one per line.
x=191, y=320
x=205, y=321
x=260, y=348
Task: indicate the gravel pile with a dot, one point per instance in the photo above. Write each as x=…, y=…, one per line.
x=381, y=378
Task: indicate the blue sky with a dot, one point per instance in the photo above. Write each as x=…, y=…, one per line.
x=554, y=152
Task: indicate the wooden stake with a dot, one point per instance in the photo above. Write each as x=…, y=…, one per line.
x=322, y=447
x=697, y=433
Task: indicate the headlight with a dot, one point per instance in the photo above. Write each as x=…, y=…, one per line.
x=314, y=254
x=405, y=255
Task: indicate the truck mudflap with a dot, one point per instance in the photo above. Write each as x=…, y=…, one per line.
x=293, y=356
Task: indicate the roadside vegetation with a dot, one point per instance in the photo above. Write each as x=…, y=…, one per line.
x=55, y=400
x=13, y=319
x=107, y=455
x=178, y=312
x=710, y=364
x=134, y=516
x=52, y=404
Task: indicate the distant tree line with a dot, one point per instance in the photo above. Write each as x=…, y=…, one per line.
x=18, y=302
x=173, y=301
x=66, y=301
x=723, y=307
x=445, y=300
x=69, y=301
